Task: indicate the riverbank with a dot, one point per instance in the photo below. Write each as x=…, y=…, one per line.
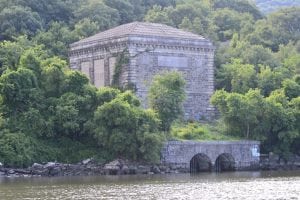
x=90, y=167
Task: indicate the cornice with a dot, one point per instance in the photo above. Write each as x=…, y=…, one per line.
x=142, y=42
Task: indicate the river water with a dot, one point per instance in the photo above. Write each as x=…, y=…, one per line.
x=233, y=185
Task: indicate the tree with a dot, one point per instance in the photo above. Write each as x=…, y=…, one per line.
x=240, y=6
x=19, y=90
x=98, y=12
x=271, y=119
x=18, y=20
x=56, y=39
x=166, y=97
x=186, y=24
x=16, y=149
x=10, y=53
x=291, y=88
x=124, y=8
x=237, y=77
x=125, y=130
x=54, y=10
x=85, y=28
x=269, y=80
x=158, y=15
x=228, y=22
x=278, y=28
x=241, y=113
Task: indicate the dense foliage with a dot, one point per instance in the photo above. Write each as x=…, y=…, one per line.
x=51, y=113
x=166, y=97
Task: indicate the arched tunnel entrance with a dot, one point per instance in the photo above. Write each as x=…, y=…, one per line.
x=225, y=162
x=200, y=163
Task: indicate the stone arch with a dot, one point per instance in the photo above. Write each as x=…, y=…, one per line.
x=225, y=162
x=200, y=163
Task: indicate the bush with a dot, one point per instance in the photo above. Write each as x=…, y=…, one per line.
x=125, y=130
x=196, y=131
x=16, y=149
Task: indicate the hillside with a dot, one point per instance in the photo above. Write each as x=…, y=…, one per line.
x=267, y=6
x=51, y=113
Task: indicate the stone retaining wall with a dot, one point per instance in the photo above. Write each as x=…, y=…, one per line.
x=180, y=153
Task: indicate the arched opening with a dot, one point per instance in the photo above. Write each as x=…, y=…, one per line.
x=225, y=162
x=200, y=163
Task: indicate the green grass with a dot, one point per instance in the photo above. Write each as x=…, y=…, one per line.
x=200, y=132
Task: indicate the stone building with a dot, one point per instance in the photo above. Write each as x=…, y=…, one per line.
x=149, y=48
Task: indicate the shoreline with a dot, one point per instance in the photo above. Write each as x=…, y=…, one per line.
x=89, y=167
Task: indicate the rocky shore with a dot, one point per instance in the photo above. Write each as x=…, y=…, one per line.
x=90, y=167
x=274, y=162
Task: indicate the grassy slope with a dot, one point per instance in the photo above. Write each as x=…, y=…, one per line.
x=200, y=132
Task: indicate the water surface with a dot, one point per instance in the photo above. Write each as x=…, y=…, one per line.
x=234, y=185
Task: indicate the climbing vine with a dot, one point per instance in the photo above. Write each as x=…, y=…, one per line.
x=122, y=60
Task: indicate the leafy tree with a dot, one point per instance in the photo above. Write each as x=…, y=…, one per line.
x=98, y=12
x=240, y=6
x=270, y=80
x=10, y=53
x=124, y=8
x=291, y=88
x=258, y=55
x=237, y=77
x=198, y=27
x=279, y=28
x=53, y=77
x=166, y=97
x=56, y=39
x=162, y=3
x=186, y=24
x=85, y=28
x=55, y=10
x=16, y=149
x=131, y=131
x=18, y=20
x=19, y=90
x=228, y=22
x=271, y=119
x=158, y=15
x=279, y=123
x=241, y=113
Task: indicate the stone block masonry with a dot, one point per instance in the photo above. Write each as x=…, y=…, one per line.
x=152, y=48
x=244, y=154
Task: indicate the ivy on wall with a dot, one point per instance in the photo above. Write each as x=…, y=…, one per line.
x=121, y=61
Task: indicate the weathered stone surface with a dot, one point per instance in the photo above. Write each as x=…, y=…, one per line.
x=113, y=168
x=125, y=170
x=86, y=161
x=155, y=169
x=152, y=48
x=142, y=169
x=50, y=165
x=178, y=154
x=55, y=171
x=37, y=166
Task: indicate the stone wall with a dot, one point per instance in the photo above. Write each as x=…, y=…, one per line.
x=149, y=56
x=180, y=153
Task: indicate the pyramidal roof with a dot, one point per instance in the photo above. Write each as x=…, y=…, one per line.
x=141, y=29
